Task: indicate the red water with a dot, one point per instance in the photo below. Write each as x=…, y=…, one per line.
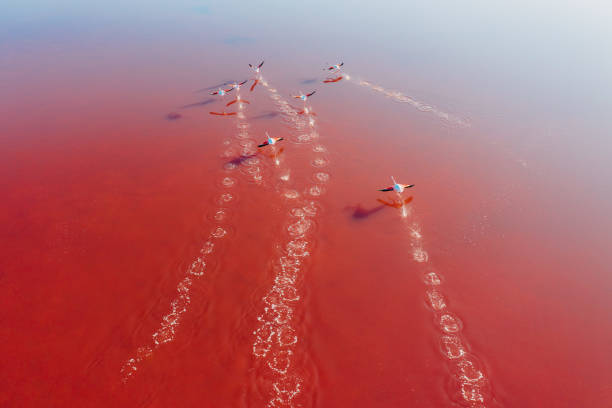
x=109, y=199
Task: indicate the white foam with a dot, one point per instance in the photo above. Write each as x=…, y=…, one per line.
x=297, y=212
x=225, y=198
x=286, y=336
x=450, y=323
x=299, y=228
x=422, y=107
x=220, y=215
x=436, y=299
x=280, y=361
x=432, y=279
x=298, y=248
x=228, y=182
x=316, y=191
x=197, y=267
x=207, y=248
x=452, y=347
x=292, y=194
x=322, y=177
x=230, y=166
x=320, y=162
x=218, y=233
x=420, y=255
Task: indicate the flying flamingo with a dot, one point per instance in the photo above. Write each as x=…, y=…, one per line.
x=397, y=187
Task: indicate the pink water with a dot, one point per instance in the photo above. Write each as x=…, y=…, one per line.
x=108, y=203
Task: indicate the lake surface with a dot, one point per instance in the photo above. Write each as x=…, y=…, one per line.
x=154, y=256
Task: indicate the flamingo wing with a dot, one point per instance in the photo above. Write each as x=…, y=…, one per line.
x=330, y=80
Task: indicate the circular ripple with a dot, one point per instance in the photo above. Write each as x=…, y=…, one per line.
x=220, y=215
x=420, y=255
x=251, y=161
x=319, y=148
x=228, y=182
x=469, y=369
x=306, y=138
x=254, y=173
x=286, y=336
x=452, y=347
x=247, y=151
x=207, y=248
x=435, y=299
x=300, y=227
x=228, y=153
x=425, y=108
x=450, y=323
x=225, y=199
x=247, y=143
x=291, y=194
x=320, y=162
x=316, y=191
x=322, y=177
x=298, y=248
x=432, y=279
x=311, y=208
x=219, y=232
x=280, y=361
x=297, y=212
x=230, y=166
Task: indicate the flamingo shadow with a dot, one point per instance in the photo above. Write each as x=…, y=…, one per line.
x=201, y=103
x=268, y=115
x=216, y=86
x=359, y=212
x=240, y=159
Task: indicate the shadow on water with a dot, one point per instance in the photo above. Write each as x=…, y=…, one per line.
x=201, y=103
x=308, y=81
x=240, y=159
x=268, y=115
x=359, y=212
x=220, y=85
x=173, y=116
x=215, y=86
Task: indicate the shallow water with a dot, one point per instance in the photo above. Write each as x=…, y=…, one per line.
x=153, y=256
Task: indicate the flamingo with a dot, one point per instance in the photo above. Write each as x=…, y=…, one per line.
x=270, y=140
x=397, y=187
x=304, y=97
